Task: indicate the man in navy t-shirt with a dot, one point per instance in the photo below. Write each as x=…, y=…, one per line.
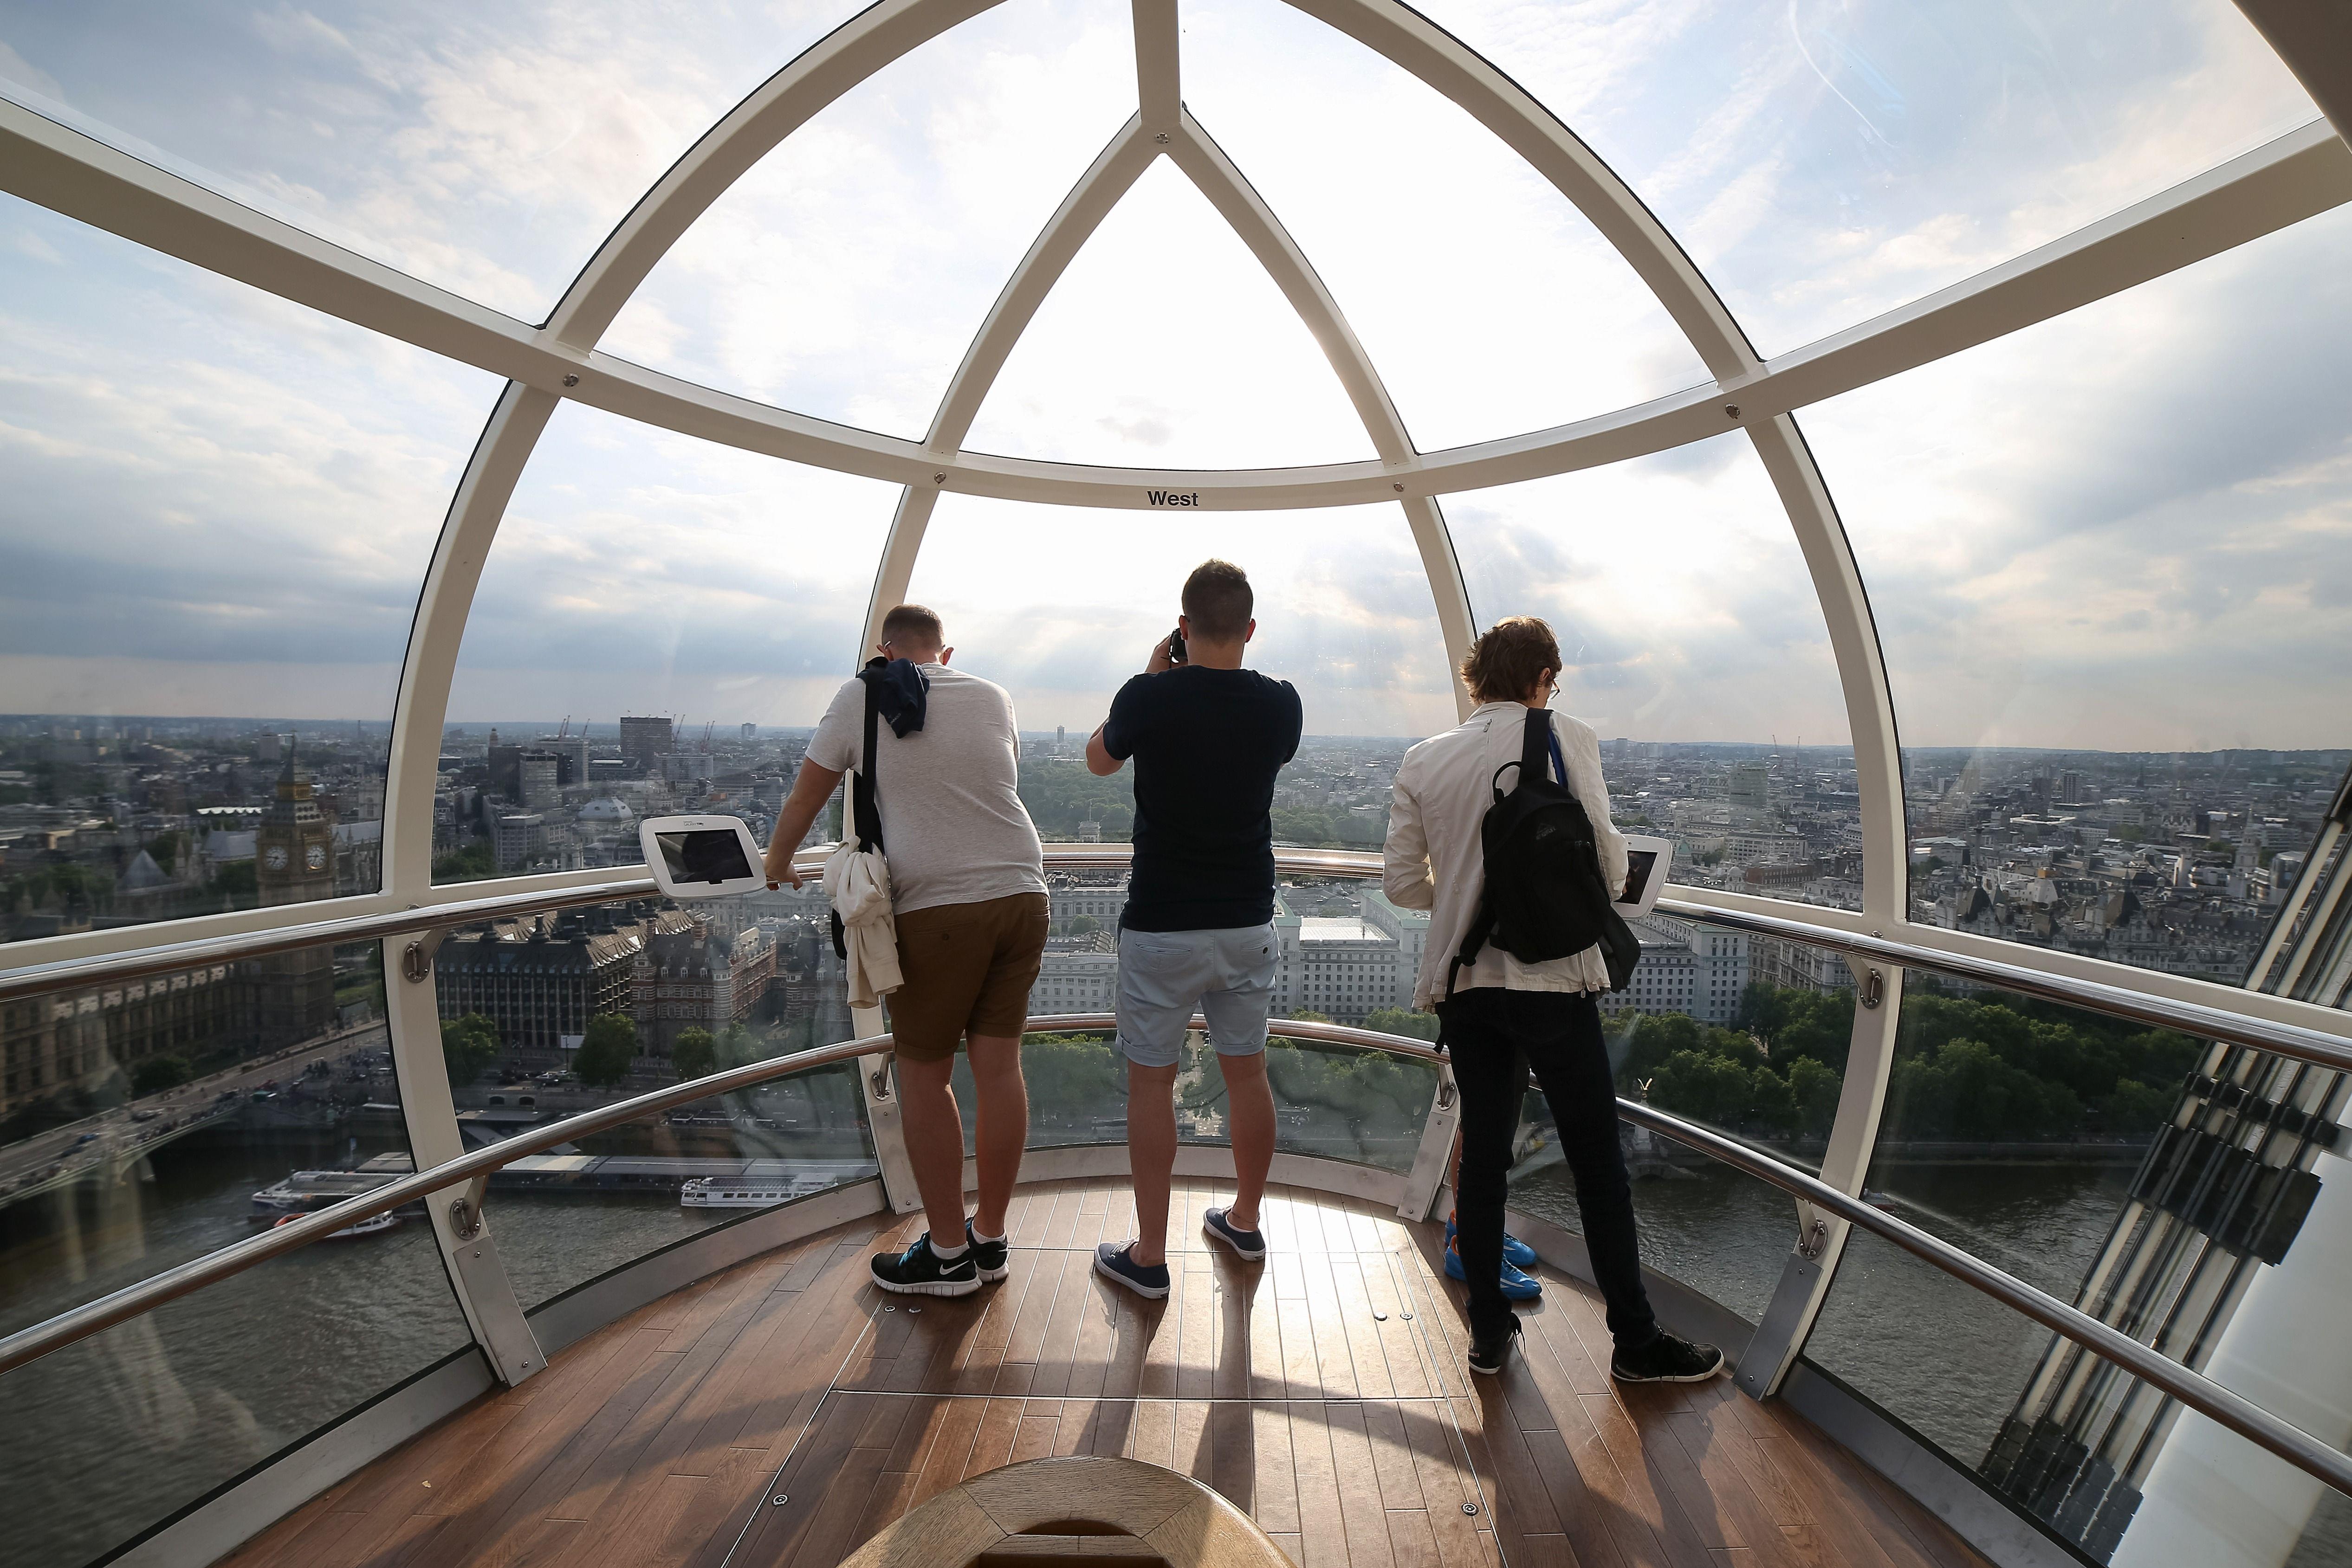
x=1208, y=738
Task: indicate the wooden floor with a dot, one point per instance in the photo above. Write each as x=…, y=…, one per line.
x=781, y=1412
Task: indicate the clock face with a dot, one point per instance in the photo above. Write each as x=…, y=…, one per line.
x=315, y=857
x=276, y=857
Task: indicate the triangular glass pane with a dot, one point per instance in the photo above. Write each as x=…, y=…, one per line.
x=1488, y=303
x=1166, y=345
x=1823, y=161
x=484, y=149
x=1695, y=645
x=643, y=573
x=846, y=274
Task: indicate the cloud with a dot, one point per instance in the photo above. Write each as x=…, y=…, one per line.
x=2126, y=527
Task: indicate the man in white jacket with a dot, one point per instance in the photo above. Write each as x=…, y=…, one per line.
x=967, y=883
x=1504, y=1016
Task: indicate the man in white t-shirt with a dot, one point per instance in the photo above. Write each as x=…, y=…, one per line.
x=968, y=893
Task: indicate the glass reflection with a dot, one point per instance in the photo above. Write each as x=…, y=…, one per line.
x=221, y=505
x=2109, y=580
x=1696, y=648
x=1827, y=159
x=659, y=625
x=148, y=1122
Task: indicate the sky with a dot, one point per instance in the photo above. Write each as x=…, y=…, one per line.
x=2127, y=528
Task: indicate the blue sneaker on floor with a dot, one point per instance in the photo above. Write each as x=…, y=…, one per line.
x=1516, y=1252
x=1248, y=1245
x=1517, y=1286
x=1116, y=1259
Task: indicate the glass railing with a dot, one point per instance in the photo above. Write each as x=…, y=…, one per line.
x=1715, y=1170
x=2165, y=1185
x=151, y=1123
x=548, y=1016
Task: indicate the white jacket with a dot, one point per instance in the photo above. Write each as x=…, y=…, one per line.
x=859, y=883
x=1432, y=859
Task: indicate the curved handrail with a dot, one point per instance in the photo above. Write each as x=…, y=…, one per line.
x=91, y=1317
x=2295, y=1041
x=2193, y=1389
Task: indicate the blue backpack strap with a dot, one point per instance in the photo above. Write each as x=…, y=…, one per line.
x=1559, y=763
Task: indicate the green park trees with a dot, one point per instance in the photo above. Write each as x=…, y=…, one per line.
x=1965, y=1068
x=606, y=1051
x=469, y=1046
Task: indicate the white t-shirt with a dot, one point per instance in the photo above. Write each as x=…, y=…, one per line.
x=953, y=826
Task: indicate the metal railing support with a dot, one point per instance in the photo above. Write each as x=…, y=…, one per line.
x=1422, y=1182
x=878, y=1081
x=493, y=1312
x=1811, y=1266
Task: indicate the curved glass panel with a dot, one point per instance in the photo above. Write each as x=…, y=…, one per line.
x=660, y=621
x=2176, y=1190
x=846, y=275
x=1694, y=646
x=143, y=1125
x=220, y=507
x=2109, y=578
x=1828, y=160
x=1165, y=345
x=1487, y=301
x=555, y=1014
x=488, y=151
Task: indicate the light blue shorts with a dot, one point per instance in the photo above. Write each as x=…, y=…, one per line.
x=1164, y=974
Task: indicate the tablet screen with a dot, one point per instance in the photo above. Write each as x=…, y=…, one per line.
x=1639, y=863
x=706, y=854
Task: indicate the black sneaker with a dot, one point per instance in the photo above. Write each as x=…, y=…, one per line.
x=1666, y=1359
x=1247, y=1245
x=918, y=1271
x=1116, y=1259
x=1489, y=1352
x=989, y=1256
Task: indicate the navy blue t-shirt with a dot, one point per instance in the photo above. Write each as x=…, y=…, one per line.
x=1207, y=745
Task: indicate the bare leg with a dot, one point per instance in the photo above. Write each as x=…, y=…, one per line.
x=934, y=1130
x=1152, y=1155
x=1002, y=1110
x=1249, y=1122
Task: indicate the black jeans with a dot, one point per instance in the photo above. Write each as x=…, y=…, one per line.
x=1494, y=1036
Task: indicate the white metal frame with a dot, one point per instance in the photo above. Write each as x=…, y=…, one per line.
x=2294, y=177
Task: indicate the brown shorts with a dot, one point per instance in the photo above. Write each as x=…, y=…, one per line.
x=968, y=968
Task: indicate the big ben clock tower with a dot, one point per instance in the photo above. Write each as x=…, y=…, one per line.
x=294, y=853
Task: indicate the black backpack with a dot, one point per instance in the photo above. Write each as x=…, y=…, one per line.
x=1545, y=897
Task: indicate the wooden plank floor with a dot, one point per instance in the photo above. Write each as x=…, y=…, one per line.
x=777, y=1414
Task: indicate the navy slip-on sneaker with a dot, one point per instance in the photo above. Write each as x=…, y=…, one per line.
x=1117, y=1259
x=1248, y=1245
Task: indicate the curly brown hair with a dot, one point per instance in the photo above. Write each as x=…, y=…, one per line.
x=1508, y=658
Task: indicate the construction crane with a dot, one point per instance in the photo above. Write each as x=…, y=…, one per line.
x=564, y=728
x=707, y=728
